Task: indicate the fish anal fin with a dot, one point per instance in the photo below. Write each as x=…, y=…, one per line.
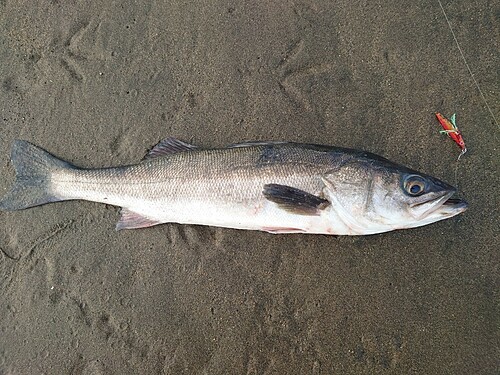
x=169, y=146
x=295, y=200
x=133, y=220
x=279, y=230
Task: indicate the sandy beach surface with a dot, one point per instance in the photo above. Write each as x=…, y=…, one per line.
x=99, y=83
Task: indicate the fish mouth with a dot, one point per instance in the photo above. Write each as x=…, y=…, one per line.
x=442, y=205
x=455, y=201
x=454, y=206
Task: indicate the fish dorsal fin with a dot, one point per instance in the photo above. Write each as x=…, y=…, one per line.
x=169, y=146
x=133, y=220
x=295, y=200
x=255, y=143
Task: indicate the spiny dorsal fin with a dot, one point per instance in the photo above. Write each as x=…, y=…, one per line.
x=169, y=146
x=295, y=200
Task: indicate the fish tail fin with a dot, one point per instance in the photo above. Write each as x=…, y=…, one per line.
x=32, y=186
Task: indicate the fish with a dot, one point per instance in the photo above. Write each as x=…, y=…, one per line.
x=276, y=187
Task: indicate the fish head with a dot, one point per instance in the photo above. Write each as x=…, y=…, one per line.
x=374, y=195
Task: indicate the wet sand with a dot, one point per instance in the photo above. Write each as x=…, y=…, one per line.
x=99, y=84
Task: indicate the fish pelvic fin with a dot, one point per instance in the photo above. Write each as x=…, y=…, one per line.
x=32, y=186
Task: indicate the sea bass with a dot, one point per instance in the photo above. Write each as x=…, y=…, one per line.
x=277, y=187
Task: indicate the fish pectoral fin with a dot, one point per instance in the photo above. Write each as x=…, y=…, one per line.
x=169, y=146
x=133, y=220
x=295, y=200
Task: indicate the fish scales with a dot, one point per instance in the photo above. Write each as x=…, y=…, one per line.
x=232, y=174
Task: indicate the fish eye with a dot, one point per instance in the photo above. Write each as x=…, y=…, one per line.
x=414, y=185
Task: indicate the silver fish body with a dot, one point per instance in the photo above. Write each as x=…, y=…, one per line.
x=272, y=186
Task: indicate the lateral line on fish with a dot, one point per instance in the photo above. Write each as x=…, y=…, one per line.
x=61, y=179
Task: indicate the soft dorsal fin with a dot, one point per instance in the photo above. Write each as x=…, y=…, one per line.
x=169, y=146
x=255, y=143
x=295, y=200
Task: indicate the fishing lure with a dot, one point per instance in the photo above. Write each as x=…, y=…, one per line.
x=450, y=128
